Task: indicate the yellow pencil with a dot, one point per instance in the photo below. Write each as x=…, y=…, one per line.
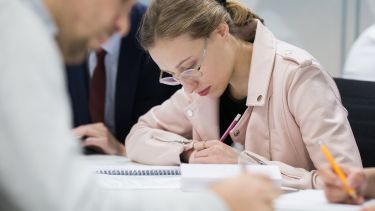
x=338, y=171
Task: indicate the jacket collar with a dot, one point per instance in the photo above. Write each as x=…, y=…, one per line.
x=262, y=63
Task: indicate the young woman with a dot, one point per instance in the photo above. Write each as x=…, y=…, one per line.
x=287, y=102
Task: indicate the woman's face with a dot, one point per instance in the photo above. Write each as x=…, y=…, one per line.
x=208, y=61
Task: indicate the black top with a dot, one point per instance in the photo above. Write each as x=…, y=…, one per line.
x=229, y=108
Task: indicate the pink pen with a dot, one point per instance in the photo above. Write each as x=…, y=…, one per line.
x=231, y=126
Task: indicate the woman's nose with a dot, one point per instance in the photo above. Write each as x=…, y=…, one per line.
x=189, y=86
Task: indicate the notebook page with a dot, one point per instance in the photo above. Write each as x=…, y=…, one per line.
x=121, y=182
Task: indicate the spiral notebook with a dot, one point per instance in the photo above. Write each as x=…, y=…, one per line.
x=139, y=170
x=136, y=177
x=119, y=173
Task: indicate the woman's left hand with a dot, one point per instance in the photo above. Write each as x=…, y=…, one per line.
x=213, y=151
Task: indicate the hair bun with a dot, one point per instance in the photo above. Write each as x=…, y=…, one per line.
x=222, y=2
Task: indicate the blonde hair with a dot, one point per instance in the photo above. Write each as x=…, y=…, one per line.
x=197, y=18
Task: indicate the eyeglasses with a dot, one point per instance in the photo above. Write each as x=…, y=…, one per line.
x=186, y=75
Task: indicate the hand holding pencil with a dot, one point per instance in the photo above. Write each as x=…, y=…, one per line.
x=342, y=184
x=215, y=151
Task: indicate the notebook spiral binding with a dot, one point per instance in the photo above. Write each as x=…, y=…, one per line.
x=154, y=172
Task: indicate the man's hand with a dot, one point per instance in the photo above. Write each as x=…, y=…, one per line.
x=100, y=137
x=248, y=192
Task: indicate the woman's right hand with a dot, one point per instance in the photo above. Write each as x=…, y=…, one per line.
x=334, y=188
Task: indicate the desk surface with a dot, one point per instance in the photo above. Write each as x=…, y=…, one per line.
x=305, y=200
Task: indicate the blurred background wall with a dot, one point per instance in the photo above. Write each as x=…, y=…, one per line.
x=326, y=28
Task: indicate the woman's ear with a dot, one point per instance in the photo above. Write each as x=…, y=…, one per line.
x=222, y=30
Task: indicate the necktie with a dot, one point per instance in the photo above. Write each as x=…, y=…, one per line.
x=97, y=89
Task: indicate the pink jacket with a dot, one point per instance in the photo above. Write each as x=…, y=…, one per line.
x=292, y=105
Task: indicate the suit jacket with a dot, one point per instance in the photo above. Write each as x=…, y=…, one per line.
x=292, y=105
x=137, y=87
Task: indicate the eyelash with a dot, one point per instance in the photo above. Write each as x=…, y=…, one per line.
x=190, y=66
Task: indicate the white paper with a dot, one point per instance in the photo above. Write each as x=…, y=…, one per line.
x=311, y=200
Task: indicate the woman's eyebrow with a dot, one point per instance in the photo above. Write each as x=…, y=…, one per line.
x=182, y=61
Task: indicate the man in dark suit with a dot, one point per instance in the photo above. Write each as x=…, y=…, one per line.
x=132, y=88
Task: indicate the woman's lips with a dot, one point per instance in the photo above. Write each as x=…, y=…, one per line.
x=205, y=91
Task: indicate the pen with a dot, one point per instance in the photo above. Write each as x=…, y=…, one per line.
x=242, y=161
x=231, y=126
x=338, y=171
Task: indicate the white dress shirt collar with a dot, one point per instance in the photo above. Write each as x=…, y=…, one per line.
x=112, y=46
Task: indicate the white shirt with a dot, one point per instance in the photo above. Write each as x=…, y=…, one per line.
x=112, y=47
x=40, y=161
x=360, y=63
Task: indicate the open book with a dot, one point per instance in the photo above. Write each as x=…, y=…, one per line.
x=200, y=176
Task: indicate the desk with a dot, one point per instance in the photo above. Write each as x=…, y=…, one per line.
x=306, y=200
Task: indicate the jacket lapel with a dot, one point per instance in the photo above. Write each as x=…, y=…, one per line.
x=261, y=66
x=204, y=128
x=78, y=86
